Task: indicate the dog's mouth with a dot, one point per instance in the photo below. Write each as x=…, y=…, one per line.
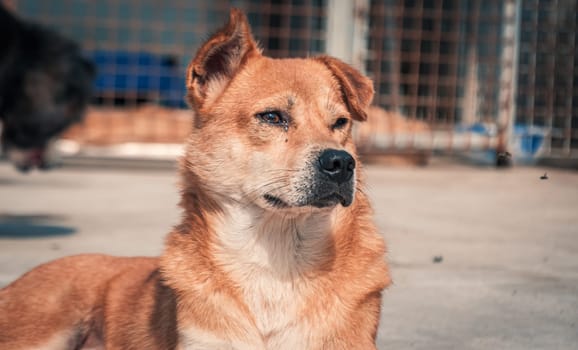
x=326, y=201
x=275, y=202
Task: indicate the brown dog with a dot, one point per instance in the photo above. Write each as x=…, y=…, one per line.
x=277, y=248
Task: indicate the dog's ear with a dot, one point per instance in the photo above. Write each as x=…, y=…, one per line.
x=357, y=89
x=219, y=59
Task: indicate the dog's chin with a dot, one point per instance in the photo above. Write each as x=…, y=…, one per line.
x=332, y=200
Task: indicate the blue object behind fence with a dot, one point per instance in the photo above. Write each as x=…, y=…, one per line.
x=530, y=139
x=151, y=77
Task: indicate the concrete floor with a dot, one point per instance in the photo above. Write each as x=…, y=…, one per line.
x=481, y=259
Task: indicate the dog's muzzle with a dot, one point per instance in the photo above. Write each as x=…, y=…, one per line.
x=330, y=181
x=333, y=181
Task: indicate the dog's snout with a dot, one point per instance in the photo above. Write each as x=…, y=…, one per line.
x=337, y=165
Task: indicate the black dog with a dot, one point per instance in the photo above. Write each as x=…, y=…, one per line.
x=45, y=85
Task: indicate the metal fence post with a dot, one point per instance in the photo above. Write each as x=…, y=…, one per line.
x=347, y=31
x=511, y=32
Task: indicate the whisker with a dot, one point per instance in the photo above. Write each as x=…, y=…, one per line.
x=283, y=170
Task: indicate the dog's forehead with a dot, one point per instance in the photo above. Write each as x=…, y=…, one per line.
x=305, y=79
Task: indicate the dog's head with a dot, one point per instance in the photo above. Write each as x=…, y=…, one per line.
x=45, y=85
x=275, y=133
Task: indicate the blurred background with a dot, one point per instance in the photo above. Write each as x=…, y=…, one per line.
x=465, y=78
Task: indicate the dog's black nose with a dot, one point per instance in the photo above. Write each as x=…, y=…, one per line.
x=338, y=165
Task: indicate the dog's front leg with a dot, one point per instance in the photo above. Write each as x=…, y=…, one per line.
x=360, y=330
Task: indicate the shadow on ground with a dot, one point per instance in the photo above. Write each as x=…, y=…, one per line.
x=32, y=226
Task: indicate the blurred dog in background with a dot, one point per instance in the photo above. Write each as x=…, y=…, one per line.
x=45, y=85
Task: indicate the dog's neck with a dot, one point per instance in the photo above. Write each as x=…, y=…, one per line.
x=267, y=264
x=281, y=244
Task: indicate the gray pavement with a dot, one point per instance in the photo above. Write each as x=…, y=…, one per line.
x=507, y=241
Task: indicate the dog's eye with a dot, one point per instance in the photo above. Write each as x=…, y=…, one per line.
x=272, y=117
x=340, y=123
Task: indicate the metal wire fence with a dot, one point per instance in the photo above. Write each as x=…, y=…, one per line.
x=547, y=82
x=450, y=75
x=142, y=47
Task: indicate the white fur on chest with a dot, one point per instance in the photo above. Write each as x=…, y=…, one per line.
x=269, y=257
x=194, y=338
